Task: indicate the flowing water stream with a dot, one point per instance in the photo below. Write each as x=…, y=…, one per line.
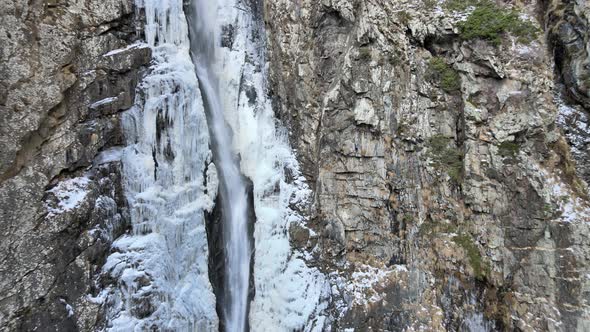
x=209, y=92
x=205, y=41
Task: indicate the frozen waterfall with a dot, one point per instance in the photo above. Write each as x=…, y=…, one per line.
x=209, y=93
x=289, y=295
x=161, y=267
x=205, y=37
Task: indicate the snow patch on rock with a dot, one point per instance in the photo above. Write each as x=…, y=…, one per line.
x=571, y=207
x=69, y=308
x=125, y=49
x=69, y=193
x=358, y=286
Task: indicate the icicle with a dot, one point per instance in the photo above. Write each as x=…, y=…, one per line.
x=161, y=267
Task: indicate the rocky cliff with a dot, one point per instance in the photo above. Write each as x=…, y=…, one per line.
x=567, y=35
x=446, y=158
x=446, y=197
x=66, y=71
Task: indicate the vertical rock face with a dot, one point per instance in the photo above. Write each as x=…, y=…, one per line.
x=568, y=36
x=445, y=195
x=569, y=39
x=66, y=70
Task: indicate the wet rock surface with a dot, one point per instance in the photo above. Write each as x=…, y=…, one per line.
x=66, y=71
x=567, y=27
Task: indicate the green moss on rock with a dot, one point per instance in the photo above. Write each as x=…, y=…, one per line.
x=439, y=71
x=465, y=241
x=365, y=53
x=508, y=149
x=404, y=17
x=408, y=218
x=490, y=22
x=446, y=157
x=429, y=228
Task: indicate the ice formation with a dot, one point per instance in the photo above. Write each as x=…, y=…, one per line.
x=289, y=294
x=205, y=44
x=161, y=268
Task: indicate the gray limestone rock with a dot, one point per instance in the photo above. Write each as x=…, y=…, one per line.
x=63, y=85
x=472, y=189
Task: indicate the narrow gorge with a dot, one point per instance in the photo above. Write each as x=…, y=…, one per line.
x=294, y=165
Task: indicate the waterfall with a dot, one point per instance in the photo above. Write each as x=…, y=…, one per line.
x=289, y=295
x=205, y=43
x=209, y=93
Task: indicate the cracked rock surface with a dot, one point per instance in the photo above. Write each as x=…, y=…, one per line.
x=61, y=205
x=438, y=161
